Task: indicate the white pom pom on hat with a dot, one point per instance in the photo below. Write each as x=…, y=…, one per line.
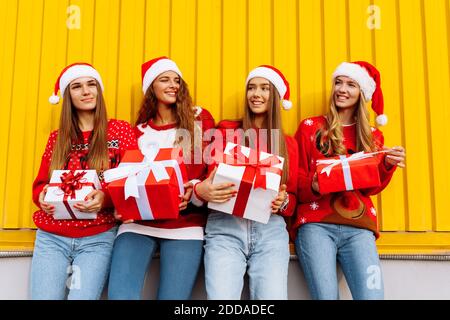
x=53, y=99
x=277, y=78
x=382, y=119
x=368, y=78
x=70, y=73
x=286, y=104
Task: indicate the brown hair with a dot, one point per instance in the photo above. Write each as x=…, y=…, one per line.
x=69, y=133
x=184, y=114
x=272, y=122
x=331, y=137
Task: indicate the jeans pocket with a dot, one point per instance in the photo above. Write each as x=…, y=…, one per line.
x=215, y=215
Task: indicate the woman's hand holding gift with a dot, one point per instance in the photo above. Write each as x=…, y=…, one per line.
x=219, y=192
x=93, y=202
x=395, y=156
x=186, y=197
x=280, y=199
x=46, y=207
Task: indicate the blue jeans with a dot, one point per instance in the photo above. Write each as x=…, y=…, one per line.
x=180, y=261
x=77, y=266
x=235, y=246
x=320, y=245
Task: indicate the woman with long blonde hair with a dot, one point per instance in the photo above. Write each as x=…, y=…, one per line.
x=86, y=139
x=342, y=226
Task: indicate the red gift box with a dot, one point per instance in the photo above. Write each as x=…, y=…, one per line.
x=341, y=173
x=147, y=187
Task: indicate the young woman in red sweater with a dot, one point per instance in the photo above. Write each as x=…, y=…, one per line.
x=167, y=119
x=234, y=245
x=342, y=226
x=85, y=140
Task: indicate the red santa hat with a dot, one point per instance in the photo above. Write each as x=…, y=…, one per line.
x=70, y=73
x=277, y=79
x=368, y=78
x=153, y=68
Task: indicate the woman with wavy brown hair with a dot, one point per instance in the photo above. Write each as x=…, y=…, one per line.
x=167, y=118
x=86, y=139
x=342, y=226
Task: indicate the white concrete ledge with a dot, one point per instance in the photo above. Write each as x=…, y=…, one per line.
x=404, y=279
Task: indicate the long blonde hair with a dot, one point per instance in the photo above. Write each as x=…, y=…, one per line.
x=69, y=133
x=330, y=139
x=184, y=114
x=272, y=122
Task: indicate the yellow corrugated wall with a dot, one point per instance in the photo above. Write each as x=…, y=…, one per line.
x=215, y=43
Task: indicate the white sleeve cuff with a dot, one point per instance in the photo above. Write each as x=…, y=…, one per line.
x=194, y=199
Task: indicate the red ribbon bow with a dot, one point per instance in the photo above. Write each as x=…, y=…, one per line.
x=70, y=182
x=256, y=169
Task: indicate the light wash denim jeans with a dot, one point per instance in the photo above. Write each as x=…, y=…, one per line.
x=320, y=245
x=76, y=267
x=235, y=246
x=180, y=261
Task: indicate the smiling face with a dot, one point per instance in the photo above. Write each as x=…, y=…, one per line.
x=258, y=95
x=166, y=87
x=346, y=92
x=83, y=92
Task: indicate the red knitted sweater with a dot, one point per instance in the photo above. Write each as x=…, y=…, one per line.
x=314, y=207
x=120, y=137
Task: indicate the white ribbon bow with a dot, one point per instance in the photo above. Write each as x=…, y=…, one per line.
x=131, y=170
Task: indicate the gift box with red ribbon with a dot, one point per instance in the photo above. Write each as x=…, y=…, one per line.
x=341, y=173
x=146, y=185
x=68, y=187
x=256, y=176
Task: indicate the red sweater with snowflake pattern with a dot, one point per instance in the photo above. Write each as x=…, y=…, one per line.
x=120, y=137
x=314, y=207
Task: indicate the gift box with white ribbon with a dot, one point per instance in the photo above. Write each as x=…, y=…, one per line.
x=146, y=185
x=348, y=172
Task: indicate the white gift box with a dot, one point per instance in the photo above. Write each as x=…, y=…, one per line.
x=257, y=204
x=64, y=202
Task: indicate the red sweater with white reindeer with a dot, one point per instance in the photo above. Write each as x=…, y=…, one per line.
x=120, y=137
x=191, y=221
x=229, y=131
x=314, y=207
